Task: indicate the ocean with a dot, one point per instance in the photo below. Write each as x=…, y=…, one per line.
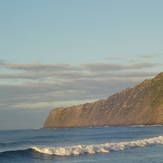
x=83, y=145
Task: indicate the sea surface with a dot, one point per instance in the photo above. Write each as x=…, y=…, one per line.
x=135, y=144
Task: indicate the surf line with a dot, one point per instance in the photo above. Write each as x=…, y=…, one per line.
x=99, y=148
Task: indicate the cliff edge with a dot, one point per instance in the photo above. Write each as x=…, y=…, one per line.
x=139, y=105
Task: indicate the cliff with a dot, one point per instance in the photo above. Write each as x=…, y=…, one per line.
x=139, y=105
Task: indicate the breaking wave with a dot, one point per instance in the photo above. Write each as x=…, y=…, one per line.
x=99, y=148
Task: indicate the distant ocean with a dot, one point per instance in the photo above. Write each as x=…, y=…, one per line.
x=135, y=144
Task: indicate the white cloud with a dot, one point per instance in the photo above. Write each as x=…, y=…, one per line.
x=115, y=67
x=2, y=62
x=41, y=105
x=37, y=67
x=114, y=58
x=151, y=56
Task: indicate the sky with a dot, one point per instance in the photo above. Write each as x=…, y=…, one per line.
x=59, y=53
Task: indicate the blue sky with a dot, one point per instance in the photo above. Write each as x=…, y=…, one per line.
x=66, y=52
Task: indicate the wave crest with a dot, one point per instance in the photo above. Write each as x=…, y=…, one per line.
x=99, y=148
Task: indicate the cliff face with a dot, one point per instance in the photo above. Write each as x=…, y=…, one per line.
x=139, y=105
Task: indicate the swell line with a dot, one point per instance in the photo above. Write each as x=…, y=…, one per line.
x=15, y=153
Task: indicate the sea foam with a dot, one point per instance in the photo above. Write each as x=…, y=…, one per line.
x=99, y=148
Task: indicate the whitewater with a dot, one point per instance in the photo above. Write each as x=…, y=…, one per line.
x=84, y=145
x=100, y=148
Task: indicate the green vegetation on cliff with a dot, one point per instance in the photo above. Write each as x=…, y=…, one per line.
x=139, y=105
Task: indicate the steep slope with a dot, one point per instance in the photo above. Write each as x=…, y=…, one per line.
x=139, y=105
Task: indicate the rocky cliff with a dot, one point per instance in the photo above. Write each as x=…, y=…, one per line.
x=139, y=105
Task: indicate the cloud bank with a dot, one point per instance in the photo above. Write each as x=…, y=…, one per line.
x=41, y=86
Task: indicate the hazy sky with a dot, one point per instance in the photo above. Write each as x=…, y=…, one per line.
x=56, y=53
